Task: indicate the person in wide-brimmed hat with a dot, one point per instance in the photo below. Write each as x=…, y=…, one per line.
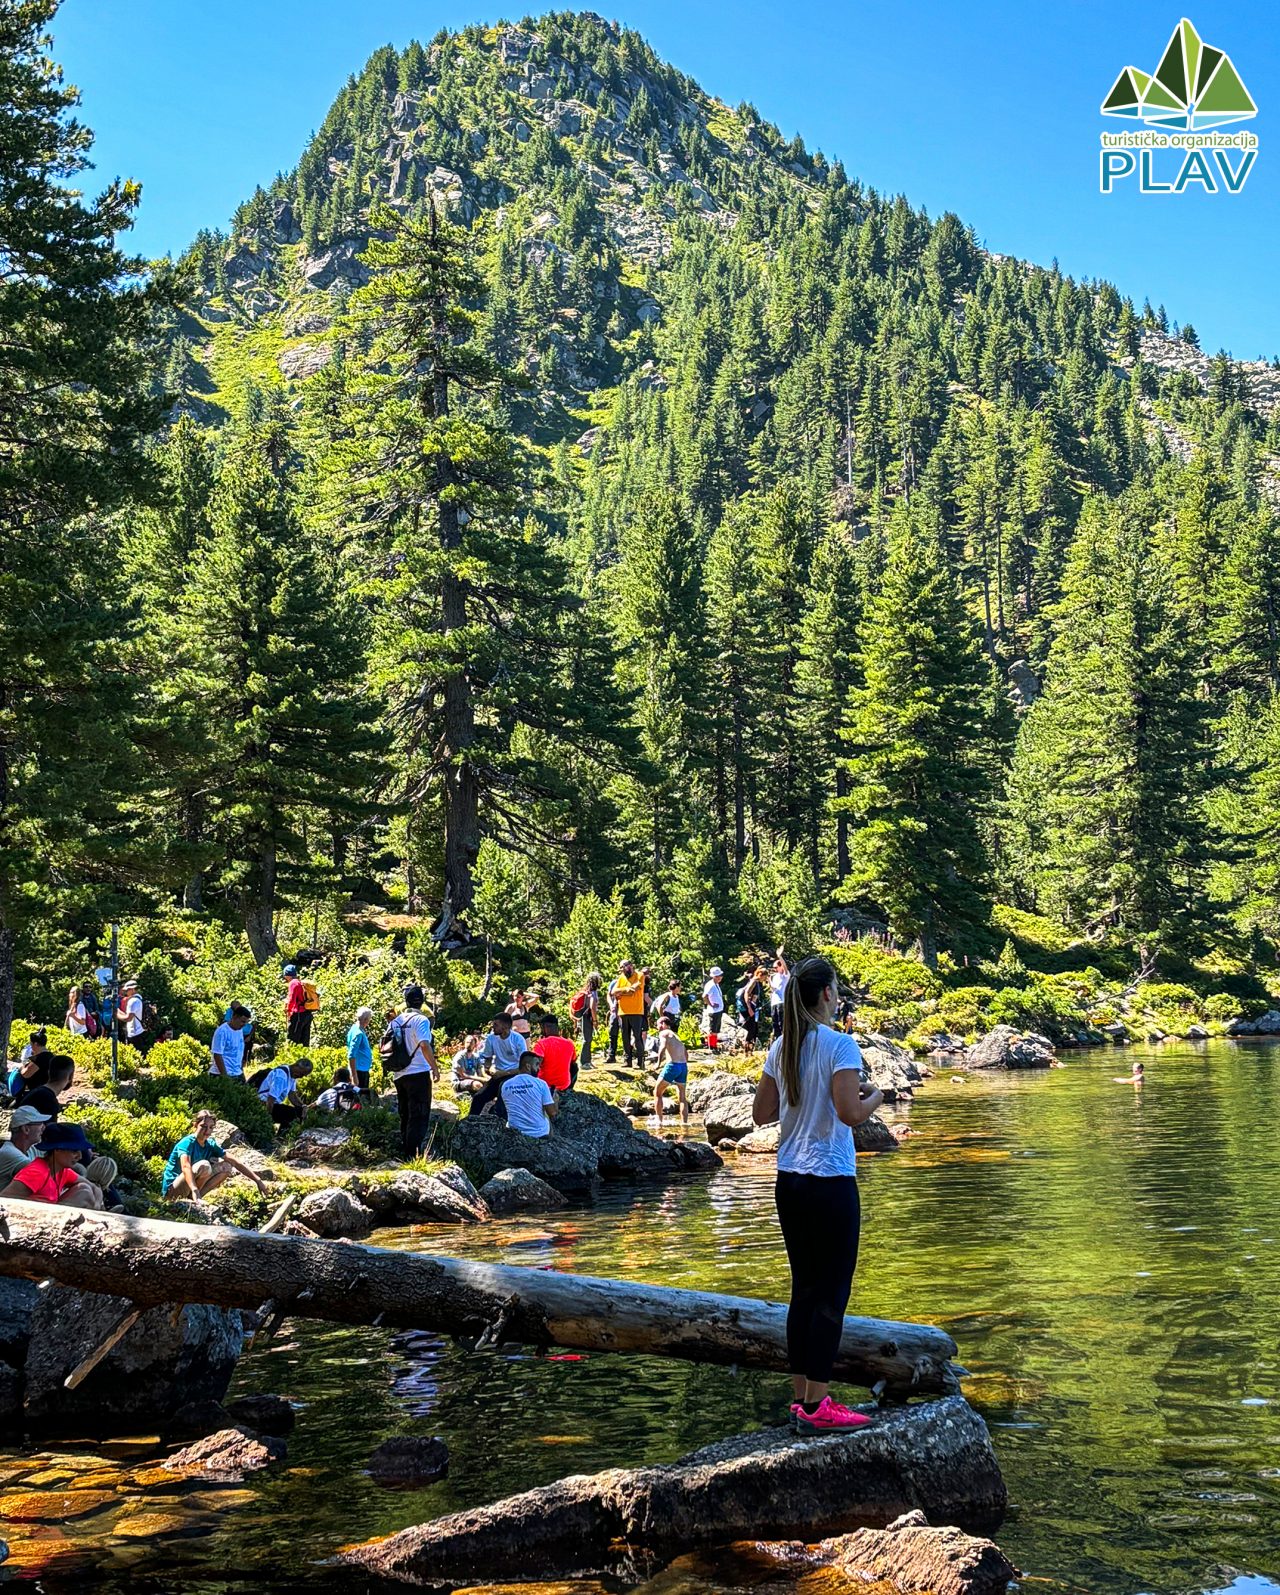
x=51, y=1175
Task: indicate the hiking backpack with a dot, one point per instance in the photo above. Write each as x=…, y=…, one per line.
x=310, y=997
x=393, y=1049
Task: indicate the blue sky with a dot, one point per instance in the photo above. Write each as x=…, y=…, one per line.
x=989, y=109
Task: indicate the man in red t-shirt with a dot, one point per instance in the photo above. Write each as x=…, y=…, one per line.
x=295, y=1008
x=559, y=1055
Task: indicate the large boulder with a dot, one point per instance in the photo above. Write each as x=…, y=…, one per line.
x=1267, y=1024
x=714, y=1087
x=1006, y=1048
x=335, y=1214
x=411, y=1197
x=891, y=1067
x=590, y=1141
x=519, y=1191
x=728, y=1118
x=157, y=1367
x=318, y=1146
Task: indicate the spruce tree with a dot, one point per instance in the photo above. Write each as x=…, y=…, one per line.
x=275, y=670
x=1110, y=826
x=476, y=631
x=74, y=407
x=916, y=739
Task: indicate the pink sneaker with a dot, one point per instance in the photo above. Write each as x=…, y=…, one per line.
x=830, y=1418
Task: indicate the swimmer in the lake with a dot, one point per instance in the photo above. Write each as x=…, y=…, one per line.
x=1138, y=1077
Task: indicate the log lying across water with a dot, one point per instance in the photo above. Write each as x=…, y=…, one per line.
x=150, y=1261
x=770, y=1484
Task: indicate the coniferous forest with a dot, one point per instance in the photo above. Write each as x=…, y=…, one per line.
x=562, y=516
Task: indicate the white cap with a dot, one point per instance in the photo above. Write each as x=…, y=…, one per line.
x=716, y=970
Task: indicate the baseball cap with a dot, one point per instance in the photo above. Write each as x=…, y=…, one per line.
x=27, y=1115
x=289, y=969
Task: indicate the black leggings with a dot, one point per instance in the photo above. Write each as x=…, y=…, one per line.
x=820, y=1216
x=413, y=1098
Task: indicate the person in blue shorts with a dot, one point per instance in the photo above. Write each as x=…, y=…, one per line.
x=673, y=1069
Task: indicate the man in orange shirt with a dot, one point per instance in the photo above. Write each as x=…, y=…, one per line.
x=631, y=1011
x=558, y=1055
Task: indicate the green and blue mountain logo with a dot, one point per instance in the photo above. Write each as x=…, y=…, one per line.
x=1194, y=87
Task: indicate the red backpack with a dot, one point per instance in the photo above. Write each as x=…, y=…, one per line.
x=577, y=1004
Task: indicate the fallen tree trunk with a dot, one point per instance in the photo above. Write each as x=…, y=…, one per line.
x=935, y=1456
x=149, y=1261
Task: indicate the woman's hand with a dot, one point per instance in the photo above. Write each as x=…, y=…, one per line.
x=854, y=1098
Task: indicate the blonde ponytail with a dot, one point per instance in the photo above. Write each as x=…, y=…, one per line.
x=809, y=979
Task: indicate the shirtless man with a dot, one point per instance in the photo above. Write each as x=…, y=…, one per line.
x=673, y=1069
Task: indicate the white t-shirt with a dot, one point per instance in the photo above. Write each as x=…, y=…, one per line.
x=503, y=1053
x=78, y=1020
x=524, y=1096
x=229, y=1045
x=778, y=986
x=713, y=996
x=813, y=1140
x=417, y=1034
x=277, y=1085
x=133, y=1011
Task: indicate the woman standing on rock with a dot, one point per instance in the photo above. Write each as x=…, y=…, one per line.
x=813, y=1086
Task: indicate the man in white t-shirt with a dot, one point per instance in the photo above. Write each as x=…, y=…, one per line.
x=529, y=1102
x=130, y=1013
x=279, y=1092
x=502, y=1052
x=713, y=1006
x=226, y=1050
x=413, y=1079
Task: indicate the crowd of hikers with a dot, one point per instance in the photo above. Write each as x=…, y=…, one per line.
x=517, y=1071
x=813, y=1086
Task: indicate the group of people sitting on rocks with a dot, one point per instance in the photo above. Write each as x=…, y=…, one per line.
x=45, y=1158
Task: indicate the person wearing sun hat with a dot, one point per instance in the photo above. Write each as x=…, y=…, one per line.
x=26, y=1126
x=713, y=1006
x=51, y=1175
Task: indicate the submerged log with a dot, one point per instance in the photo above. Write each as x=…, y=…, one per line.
x=769, y=1484
x=150, y=1261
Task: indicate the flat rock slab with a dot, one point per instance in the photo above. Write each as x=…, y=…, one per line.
x=910, y=1555
x=768, y=1484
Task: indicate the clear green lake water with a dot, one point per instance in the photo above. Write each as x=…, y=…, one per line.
x=1107, y=1258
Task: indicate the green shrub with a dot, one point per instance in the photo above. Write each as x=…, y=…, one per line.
x=1045, y=1003
x=229, y=1099
x=1222, y=1007
x=183, y=1056
x=889, y=979
x=133, y=1139
x=1164, y=994
x=962, y=1011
